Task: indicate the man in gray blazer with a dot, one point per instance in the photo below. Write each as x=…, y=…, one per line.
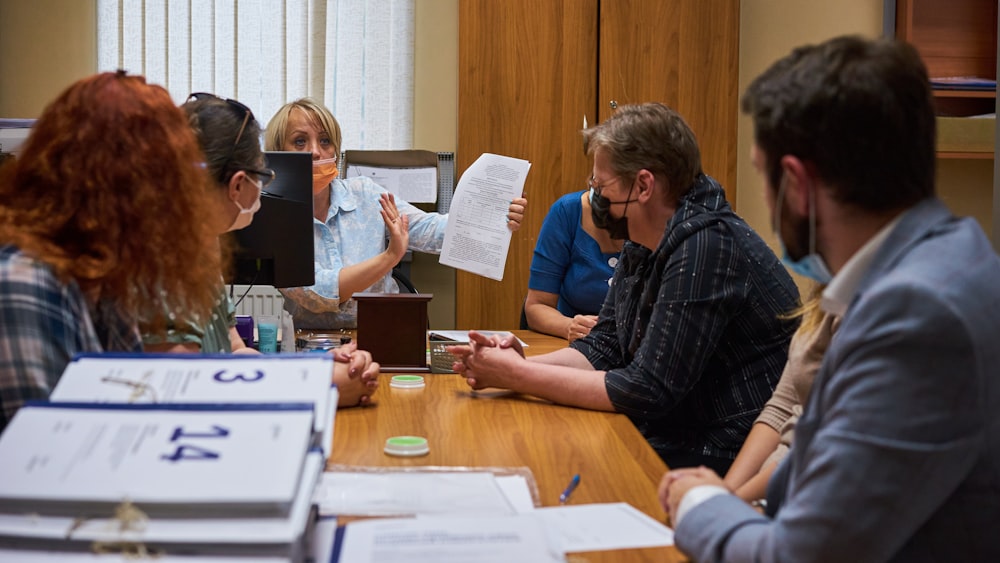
x=897, y=455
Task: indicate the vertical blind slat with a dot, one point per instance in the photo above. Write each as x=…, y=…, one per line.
x=355, y=56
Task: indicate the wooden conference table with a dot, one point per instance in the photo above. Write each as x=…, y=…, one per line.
x=494, y=428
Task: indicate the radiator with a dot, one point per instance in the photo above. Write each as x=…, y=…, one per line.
x=260, y=300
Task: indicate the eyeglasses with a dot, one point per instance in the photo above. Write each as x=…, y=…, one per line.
x=592, y=185
x=247, y=116
x=265, y=175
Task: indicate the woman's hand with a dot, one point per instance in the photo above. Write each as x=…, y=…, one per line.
x=355, y=375
x=579, y=326
x=397, y=225
x=515, y=213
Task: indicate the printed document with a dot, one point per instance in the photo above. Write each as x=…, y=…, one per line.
x=597, y=527
x=406, y=493
x=413, y=185
x=501, y=539
x=477, y=238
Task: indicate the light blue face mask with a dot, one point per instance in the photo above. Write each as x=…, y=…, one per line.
x=811, y=265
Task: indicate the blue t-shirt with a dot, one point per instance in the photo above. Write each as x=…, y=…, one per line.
x=569, y=262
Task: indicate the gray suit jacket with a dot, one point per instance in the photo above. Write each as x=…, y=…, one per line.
x=897, y=456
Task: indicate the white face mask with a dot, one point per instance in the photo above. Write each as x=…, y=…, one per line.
x=245, y=216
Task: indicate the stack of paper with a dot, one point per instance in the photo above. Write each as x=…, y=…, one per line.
x=202, y=456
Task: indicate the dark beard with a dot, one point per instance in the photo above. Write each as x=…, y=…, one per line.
x=798, y=247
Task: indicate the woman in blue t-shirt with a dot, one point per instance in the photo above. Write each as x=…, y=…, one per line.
x=571, y=270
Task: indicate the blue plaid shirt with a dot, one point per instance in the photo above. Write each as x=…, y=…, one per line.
x=690, y=334
x=43, y=323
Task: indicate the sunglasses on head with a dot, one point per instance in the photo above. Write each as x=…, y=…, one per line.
x=266, y=175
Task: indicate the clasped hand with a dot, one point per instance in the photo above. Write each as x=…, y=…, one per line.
x=488, y=361
x=677, y=482
x=355, y=374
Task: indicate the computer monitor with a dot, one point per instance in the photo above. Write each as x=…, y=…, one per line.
x=277, y=248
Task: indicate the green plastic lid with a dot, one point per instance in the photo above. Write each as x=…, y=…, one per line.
x=407, y=446
x=407, y=382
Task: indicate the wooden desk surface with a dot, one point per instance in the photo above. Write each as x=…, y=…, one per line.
x=501, y=429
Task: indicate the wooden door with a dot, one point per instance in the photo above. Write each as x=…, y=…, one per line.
x=530, y=71
x=527, y=77
x=684, y=53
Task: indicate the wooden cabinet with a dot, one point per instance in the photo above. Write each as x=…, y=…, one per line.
x=530, y=72
x=956, y=38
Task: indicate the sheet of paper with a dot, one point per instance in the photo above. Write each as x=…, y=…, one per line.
x=477, y=238
x=463, y=335
x=414, y=185
x=448, y=540
x=598, y=527
x=409, y=493
x=515, y=488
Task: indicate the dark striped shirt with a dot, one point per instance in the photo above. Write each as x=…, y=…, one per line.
x=690, y=334
x=43, y=323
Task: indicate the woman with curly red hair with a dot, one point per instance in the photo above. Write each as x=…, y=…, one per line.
x=98, y=229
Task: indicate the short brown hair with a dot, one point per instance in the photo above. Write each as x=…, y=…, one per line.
x=652, y=137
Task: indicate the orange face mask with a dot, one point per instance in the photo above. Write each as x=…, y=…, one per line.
x=324, y=171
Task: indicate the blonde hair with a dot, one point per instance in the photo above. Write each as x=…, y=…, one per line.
x=809, y=311
x=274, y=136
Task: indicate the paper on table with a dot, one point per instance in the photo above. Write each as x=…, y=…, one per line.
x=515, y=488
x=406, y=493
x=477, y=238
x=460, y=336
x=500, y=539
x=597, y=527
x=413, y=185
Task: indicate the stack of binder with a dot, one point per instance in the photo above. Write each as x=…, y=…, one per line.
x=179, y=455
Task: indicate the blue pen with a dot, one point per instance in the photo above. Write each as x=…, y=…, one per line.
x=569, y=489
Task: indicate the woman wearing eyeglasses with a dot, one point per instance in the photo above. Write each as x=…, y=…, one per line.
x=229, y=137
x=97, y=231
x=230, y=140
x=353, y=219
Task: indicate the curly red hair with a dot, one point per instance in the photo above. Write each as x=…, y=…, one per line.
x=110, y=191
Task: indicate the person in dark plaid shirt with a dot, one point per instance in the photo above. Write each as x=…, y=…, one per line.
x=692, y=337
x=97, y=222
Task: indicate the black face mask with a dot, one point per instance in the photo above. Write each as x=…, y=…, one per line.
x=600, y=211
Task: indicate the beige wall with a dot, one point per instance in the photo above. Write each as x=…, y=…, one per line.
x=769, y=29
x=45, y=45
x=435, y=126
